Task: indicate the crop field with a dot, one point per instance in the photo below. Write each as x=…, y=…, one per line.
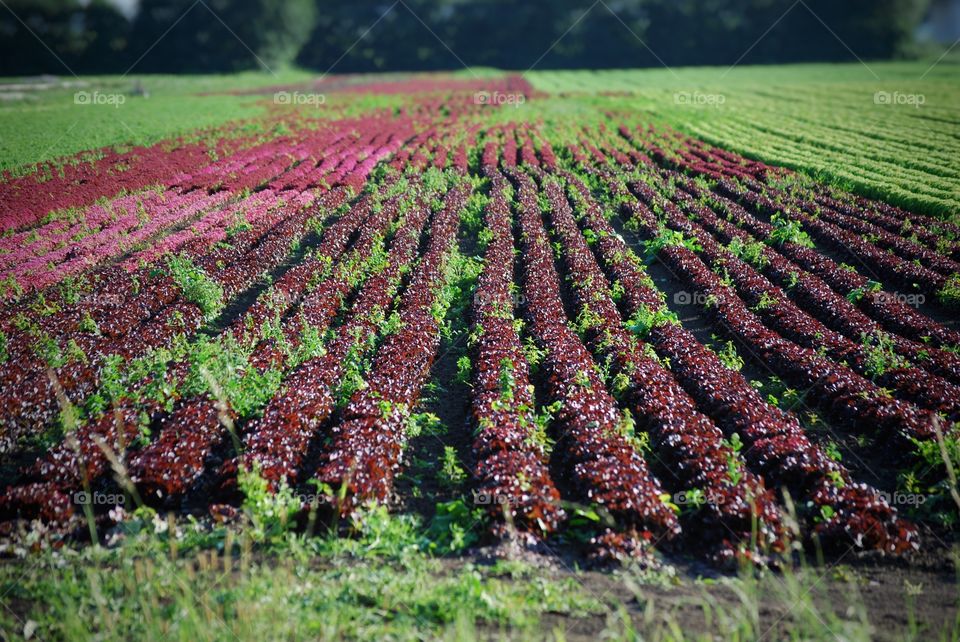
x=573, y=354
x=887, y=130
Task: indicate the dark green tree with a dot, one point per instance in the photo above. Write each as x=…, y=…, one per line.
x=60, y=36
x=369, y=35
x=220, y=35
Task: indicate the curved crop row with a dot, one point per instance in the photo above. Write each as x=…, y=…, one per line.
x=771, y=305
x=604, y=468
x=887, y=309
x=739, y=517
x=936, y=235
x=276, y=443
x=882, y=306
x=365, y=446
x=316, y=308
x=217, y=275
x=167, y=466
x=903, y=247
x=933, y=233
x=776, y=446
x=30, y=396
x=887, y=267
x=808, y=289
x=845, y=394
x=511, y=465
x=175, y=460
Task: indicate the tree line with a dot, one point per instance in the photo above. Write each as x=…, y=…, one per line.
x=54, y=36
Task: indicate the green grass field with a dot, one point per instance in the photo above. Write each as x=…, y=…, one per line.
x=48, y=124
x=165, y=580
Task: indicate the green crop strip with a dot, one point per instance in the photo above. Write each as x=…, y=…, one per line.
x=893, y=136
